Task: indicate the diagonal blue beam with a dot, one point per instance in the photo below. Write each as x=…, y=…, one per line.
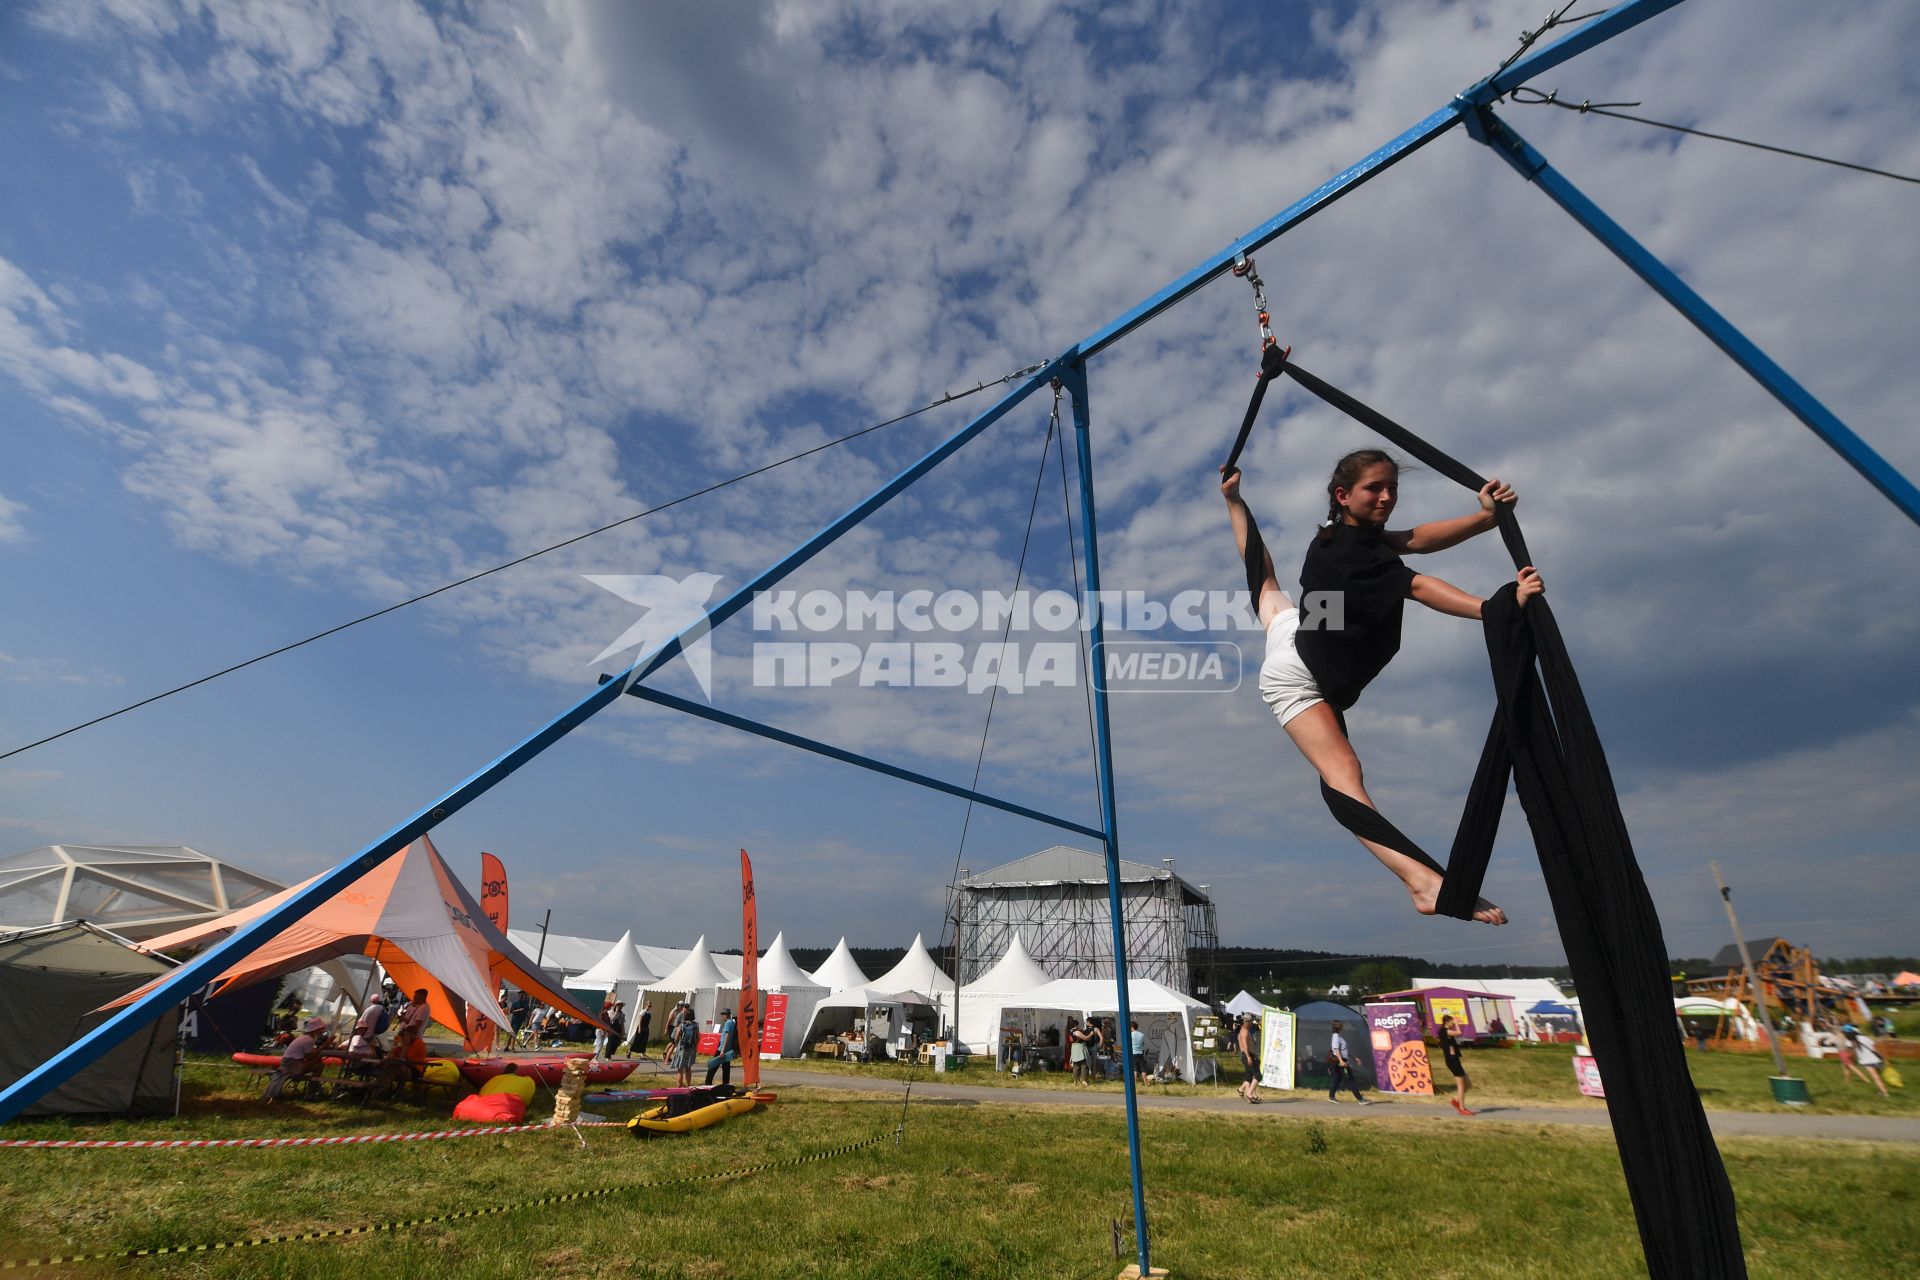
x=1861, y=456
x=197, y=972
x=818, y=748
x=1347, y=180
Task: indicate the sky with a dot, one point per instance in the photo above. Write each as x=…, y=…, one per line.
x=305, y=309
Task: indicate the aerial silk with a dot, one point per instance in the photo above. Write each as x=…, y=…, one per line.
x=1543, y=738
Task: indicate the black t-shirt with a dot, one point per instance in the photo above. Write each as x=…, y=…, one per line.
x=1358, y=564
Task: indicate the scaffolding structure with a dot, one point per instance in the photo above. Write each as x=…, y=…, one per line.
x=1056, y=902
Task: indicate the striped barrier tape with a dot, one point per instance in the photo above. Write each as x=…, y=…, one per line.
x=338, y=1140
x=461, y=1215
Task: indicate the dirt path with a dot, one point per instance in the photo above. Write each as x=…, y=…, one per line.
x=1384, y=1110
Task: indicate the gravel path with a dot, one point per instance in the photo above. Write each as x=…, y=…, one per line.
x=1385, y=1110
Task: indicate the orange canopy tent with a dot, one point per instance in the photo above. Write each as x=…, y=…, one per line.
x=414, y=918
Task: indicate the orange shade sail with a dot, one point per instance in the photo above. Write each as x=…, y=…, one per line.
x=411, y=916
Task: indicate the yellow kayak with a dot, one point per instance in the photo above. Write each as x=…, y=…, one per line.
x=658, y=1121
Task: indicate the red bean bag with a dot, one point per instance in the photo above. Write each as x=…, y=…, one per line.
x=492, y=1108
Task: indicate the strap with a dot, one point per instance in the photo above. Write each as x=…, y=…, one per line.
x=1273, y=363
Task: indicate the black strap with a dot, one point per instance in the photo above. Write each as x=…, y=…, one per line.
x=1273, y=363
x=1543, y=736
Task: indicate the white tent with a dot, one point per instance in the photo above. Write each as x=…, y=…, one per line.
x=780, y=974
x=981, y=1000
x=620, y=971
x=840, y=972
x=696, y=979
x=1245, y=1002
x=915, y=972
x=885, y=1016
x=1164, y=1015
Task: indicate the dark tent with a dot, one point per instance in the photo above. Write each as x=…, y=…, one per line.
x=51, y=981
x=1313, y=1032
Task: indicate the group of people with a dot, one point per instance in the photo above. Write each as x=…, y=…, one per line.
x=1860, y=1056
x=1246, y=1044
x=366, y=1054
x=683, y=1045
x=1090, y=1043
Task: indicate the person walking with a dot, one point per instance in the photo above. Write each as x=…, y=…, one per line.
x=722, y=1060
x=642, y=1030
x=1340, y=1060
x=1246, y=1039
x=1866, y=1056
x=1450, y=1054
x=685, y=1041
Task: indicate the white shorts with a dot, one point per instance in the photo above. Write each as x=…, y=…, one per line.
x=1285, y=683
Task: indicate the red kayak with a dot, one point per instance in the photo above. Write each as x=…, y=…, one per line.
x=272, y=1060
x=546, y=1070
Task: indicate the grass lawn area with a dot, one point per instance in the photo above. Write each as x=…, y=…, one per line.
x=977, y=1190
x=1521, y=1074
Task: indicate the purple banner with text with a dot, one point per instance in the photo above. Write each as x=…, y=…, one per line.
x=1399, y=1053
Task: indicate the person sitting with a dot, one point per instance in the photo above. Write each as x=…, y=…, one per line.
x=303, y=1058
x=407, y=1064
x=511, y=1081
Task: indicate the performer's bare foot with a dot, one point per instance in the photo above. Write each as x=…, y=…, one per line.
x=1425, y=889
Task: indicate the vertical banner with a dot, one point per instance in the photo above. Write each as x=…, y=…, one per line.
x=749, y=1028
x=1277, y=1052
x=493, y=905
x=1586, y=1073
x=773, y=1033
x=1399, y=1053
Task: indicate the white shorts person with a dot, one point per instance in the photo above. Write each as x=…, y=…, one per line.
x=1285, y=683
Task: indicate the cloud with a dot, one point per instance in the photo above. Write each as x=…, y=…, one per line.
x=13, y=529
x=421, y=292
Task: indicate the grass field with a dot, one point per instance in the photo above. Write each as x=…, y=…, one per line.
x=1529, y=1074
x=976, y=1190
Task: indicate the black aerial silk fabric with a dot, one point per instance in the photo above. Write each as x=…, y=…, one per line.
x=1543, y=737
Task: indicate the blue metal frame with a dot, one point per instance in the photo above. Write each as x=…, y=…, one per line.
x=1469, y=107
x=1075, y=379
x=1484, y=126
x=782, y=736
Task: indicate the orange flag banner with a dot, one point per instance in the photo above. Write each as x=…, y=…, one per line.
x=749, y=1017
x=493, y=903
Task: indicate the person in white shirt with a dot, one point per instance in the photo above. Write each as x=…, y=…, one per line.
x=1340, y=1059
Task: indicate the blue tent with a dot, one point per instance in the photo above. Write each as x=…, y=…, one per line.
x=1548, y=1006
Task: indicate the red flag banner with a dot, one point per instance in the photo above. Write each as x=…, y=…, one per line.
x=493, y=905
x=749, y=1028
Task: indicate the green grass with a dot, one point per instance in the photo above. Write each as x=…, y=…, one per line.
x=1532, y=1075
x=977, y=1190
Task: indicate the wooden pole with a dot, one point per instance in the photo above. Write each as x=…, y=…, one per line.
x=1746, y=962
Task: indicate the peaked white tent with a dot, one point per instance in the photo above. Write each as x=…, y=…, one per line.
x=884, y=1015
x=780, y=974
x=840, y=972
x=1164, y=1015
x=915, y=972
x=696, y=979
x=1245, y=1002
x=621, y=971
x=1012, y=976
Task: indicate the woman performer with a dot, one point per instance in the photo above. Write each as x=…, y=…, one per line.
x=1313, y=674
x=1450, y=1054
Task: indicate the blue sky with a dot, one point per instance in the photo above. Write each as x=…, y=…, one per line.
x=305, y=309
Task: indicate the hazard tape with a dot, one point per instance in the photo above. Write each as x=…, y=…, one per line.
x=339, y=1140
x=490, y=1211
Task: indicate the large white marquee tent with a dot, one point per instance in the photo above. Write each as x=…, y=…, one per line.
x=839, y=970
x=780, y=974
x=1014, y=975
x=1165, y=1015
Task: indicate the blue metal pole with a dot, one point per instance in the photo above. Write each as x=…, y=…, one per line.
x=1616, y=20
x=1531, y=165
x=1075, y=378
x=196, y=972
x=785, y=738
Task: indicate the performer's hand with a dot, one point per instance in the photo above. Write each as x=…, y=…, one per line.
x=1529, y=585
x=1230, y=484
x=1494, y=491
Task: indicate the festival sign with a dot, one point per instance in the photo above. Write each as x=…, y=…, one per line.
x=1438, y=1007
x=749, y=1028
x=1399, y=1053
x=773, y=1032
x=493, y=905
x=1587, y=1072
x=1277, y=1041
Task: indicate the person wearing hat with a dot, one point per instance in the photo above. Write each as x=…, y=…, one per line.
x=302, y=1058
x=722, y=1061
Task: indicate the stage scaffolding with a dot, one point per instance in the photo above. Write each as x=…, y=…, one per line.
x=1056, y=902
